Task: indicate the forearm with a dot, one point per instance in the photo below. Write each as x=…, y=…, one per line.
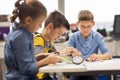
x=42, y=63
x=50, y=59
x=40, y=56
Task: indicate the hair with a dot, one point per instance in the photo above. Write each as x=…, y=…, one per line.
x=57, y=19
x=25, y=8
x=85, y=15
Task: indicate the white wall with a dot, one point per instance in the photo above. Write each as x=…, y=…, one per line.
x=6, y=6
x=103, y=10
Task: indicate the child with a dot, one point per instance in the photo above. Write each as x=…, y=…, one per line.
x=19, y=49
x=55, y=25
x=88, y=41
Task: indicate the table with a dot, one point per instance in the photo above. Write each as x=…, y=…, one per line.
x=61, y=68
x=109, y=67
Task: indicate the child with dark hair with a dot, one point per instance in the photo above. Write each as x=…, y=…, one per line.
x=19, y=49
x=55, y=25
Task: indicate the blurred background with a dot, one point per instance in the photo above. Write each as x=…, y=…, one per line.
x=104, y=11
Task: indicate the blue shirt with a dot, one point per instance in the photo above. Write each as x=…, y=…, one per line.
x=88, y=46
x=19, y=56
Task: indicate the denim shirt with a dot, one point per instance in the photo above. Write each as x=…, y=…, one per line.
x=90, y=45
x=19, y=56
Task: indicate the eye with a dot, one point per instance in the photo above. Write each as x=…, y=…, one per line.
x=60, y=33
x=82, y=26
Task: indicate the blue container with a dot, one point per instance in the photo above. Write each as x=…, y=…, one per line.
x=118, y=77
x=102, y=77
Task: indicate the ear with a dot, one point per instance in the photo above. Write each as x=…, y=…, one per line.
x=93, y=23
x=28, y=20
x=50, y=26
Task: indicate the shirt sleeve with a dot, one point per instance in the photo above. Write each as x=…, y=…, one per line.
x=71, y=41
x=23, y=50
x=101, y=43
x=38, y=49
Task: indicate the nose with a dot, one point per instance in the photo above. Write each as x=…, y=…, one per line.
x=85, y=29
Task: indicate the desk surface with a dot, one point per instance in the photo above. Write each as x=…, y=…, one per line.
x=113, y=64
x=107, y=65
x=62, y=67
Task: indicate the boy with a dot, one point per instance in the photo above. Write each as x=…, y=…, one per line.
x=88, y=42
x=55, y=25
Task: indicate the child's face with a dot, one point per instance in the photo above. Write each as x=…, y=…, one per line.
x=86, y=27
x=35, y=24
x=56, y=33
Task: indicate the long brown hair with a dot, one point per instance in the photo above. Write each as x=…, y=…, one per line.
x=25, y=8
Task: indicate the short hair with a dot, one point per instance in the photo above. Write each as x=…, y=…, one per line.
x=85, y=15
x=57, y=19
x=25, y=8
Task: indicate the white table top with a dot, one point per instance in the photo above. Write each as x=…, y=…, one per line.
x=84, y=67
x=113, y=64
x=62, y=67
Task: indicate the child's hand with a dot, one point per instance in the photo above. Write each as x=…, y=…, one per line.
x=75, y=52
x=52, y=58
x=71, y=51
x=49, y=59
x=100, y=57
x=95, y=57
